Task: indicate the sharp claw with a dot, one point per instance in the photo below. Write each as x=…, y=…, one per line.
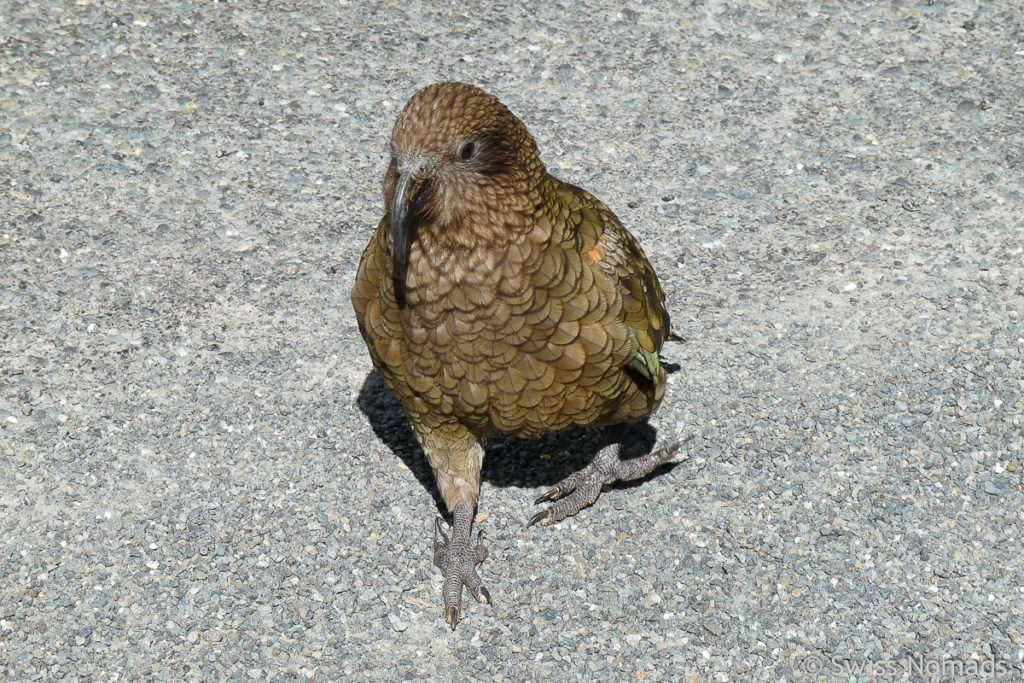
x=452, y=616
x=545, y=497
x=486, y=595
x=537, y=517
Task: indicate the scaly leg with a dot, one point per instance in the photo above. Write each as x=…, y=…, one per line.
x=456, y=456
x=457, y=557
x=582, y=488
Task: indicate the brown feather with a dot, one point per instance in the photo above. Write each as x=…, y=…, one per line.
x=523, y=302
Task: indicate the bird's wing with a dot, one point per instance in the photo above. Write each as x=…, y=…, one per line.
x=375, y=307
x=602, y=238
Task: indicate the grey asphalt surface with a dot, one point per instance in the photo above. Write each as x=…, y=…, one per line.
x=201, y=479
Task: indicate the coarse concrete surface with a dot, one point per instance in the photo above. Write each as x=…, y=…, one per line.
x=202, y=479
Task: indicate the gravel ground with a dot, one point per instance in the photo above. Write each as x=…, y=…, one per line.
x=202, y=478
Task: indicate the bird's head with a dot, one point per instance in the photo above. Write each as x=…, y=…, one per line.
x=456, y=153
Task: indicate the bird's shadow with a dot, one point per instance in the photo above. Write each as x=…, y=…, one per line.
x=509, y=460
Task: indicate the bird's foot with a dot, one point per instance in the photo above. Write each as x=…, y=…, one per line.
x=457, y=557
x=582, y=488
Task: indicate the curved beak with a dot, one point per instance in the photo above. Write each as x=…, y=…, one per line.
x=405, y=192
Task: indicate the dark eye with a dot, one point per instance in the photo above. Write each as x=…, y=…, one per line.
x=468, y=150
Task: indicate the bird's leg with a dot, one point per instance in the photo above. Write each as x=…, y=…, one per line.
x=457, y=556
x=456, y=457
x=582, y=488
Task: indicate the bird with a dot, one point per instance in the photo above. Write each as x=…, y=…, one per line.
x=496, y=298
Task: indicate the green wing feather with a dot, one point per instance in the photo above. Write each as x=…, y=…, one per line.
x=624, y=261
